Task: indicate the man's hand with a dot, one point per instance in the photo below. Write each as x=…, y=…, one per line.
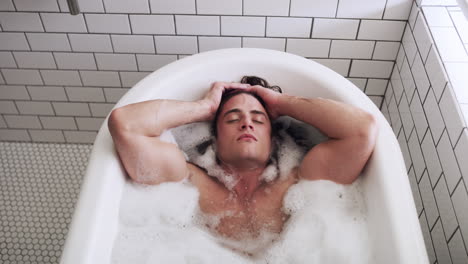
x=213, y=97
x=270, y=97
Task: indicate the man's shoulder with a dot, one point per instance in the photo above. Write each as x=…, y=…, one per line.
x=200, y=178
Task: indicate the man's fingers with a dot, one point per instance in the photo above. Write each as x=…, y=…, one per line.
x=238, y=85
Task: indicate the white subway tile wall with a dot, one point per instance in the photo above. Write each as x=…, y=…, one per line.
x=437, y=149
x=176, y=6
x=335, y=28
x=60, y=75
x=197, y=25
x=212, y=43
x=288, y=27
x=91, y=43
x=13, y=41
x=7, y=60
x=48, y=42
x=37, y=60
x=54, y=22
x=361, y=8
x=19, y=21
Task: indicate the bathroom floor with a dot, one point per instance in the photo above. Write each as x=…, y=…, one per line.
x=39, y=187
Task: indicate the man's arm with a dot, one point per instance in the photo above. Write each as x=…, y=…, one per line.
x=352, y=134
x=136, y=128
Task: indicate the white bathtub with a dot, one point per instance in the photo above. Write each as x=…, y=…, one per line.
x=393, y=224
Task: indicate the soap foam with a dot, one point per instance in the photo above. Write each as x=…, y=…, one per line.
x=164, y=224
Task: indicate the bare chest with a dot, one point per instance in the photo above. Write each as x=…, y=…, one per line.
x=239, y=218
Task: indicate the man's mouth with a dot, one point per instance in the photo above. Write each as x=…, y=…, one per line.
x=247, y=136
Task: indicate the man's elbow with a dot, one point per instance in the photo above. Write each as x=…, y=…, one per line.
x=116, y=123
x=369, y=127
x=367, y=136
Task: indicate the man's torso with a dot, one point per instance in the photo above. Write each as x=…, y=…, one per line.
x=240, y=218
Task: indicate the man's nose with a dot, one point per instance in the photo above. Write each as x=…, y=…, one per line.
x=247, y=124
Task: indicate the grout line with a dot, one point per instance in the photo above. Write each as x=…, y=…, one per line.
x=456, y=185
x=16, y=107
x=459, y=137
x=172, y=35
x=311, y=28
x=279, y=16
x=337, y=6
x=130, y=24
x=413, y=131
x=427, y=56
x=419, y=11
x=105, y=99
x=112, y=44
x=349, y=70
x=55, y=59
x=436, y=182
x=40, y=121
x=289, y=8
x=76, y=122
x=435, y=223
x=175, y=25
x=27, y=41
x=358, y=29
x=29, y=134
x=440, y=138
x=219, y=20
x=3, y=77
x=15, y=60
x=86, y=23
x=373, y=52
x=120, y=79
x=104, y=6
x=385, y=9
x=42, y=22
x=398, y=135
x=14, y=5
x=136, y=61
x=442, y=94
x=365, y=84
x=454, y=232
x=420, y=214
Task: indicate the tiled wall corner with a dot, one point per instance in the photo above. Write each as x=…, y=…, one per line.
x=424, y=101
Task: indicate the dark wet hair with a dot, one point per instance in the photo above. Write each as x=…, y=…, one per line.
x=252, y=80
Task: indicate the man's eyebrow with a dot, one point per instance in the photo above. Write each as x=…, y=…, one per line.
x=258, y=112
x=234, y=110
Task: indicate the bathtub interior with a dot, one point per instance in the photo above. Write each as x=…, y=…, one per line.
x=393, y=223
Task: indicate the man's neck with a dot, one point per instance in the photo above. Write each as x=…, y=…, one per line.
x=248, y=180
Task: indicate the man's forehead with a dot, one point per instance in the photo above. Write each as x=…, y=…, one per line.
x=243, y=102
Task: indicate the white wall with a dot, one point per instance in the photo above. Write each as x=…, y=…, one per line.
x=61, y=74
x=424, y=106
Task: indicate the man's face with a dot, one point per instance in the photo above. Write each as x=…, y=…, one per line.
x=244, y=131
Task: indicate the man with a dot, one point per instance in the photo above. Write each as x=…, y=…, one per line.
x=243, y=144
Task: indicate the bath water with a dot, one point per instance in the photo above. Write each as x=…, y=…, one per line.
x=163, y=223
